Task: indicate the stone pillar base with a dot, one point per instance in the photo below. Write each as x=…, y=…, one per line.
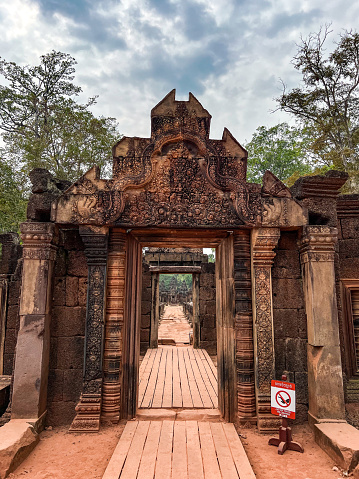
x=87, y=418
x=247, y=421
x=266, y=422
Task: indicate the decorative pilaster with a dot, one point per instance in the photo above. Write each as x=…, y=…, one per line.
x=244, y=327
x=111, y=387
x=33, y=342
x=89, y=407
x=264, y=241
x=325, y=379
x=195, y=317
x=155, y=309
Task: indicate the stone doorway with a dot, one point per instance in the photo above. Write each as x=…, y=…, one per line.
x=225, y=312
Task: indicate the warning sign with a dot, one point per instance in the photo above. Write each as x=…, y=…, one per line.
x=283, y=399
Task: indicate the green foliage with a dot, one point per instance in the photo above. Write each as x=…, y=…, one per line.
x=12, y=200
x=165, y=280
x=43, y=126
x=211, y=258
x=280, y=149
x=327, y=102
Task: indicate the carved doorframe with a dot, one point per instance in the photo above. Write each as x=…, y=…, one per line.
x=225, y=313
x=156, y=271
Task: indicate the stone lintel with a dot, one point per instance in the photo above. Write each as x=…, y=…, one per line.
x=176, y=269
x=327, y=185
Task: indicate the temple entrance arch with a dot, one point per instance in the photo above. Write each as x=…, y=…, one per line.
x=178, y=187
x=222, y=240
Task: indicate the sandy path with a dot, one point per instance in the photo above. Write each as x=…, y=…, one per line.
x=61, y=455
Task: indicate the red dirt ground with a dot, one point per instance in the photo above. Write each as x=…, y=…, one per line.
x=61, y=455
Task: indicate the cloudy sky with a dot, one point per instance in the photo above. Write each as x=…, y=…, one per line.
x=230, y=54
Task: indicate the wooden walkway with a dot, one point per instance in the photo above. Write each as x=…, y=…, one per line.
x=177, y=377
x=179, y=450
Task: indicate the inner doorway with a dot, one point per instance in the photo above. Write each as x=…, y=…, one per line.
x=176, y=372
x=175, y=326
x=226, y=385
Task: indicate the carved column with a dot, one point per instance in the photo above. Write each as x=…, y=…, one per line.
x=111, y=386
x=244, y=327
x=155, y=309
x=89, y=407
x=33, y=342
x=325, y=379
x=264, y=241
x=195, y=317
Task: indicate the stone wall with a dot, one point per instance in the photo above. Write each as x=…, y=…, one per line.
x=347, y=269
x=10, y=275
x=12, y=320
x=207, y=307
x=290, y=327
x=67, y=329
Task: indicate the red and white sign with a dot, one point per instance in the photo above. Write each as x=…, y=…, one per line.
x=283, y=399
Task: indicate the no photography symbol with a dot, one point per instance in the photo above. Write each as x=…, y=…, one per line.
x=283, y=399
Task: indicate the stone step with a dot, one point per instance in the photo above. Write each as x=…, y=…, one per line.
x=178, y=414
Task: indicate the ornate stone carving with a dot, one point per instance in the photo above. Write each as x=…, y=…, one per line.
x=274, y=187
x=38, y=241
x=317, y=244
x=244, y=327
x=89, y=408
x=263, y=242
x=177, y=177
x=111, y=389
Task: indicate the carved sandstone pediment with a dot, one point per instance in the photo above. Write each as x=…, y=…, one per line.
x=177, y=178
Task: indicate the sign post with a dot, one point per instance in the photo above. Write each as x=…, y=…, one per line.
x=283, y=405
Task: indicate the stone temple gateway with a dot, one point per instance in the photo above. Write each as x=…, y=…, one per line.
x=286, y=279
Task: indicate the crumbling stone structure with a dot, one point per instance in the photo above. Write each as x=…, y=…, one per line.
x=286, y=279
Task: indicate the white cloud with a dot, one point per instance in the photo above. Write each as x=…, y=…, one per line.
x=229, y=53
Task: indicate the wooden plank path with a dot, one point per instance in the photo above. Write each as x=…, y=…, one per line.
x=177, y=377
x=179, y=450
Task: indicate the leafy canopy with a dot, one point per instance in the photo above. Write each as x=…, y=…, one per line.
x=327, y=101
x=12, y=200
x=280, y=149
x=43, y=126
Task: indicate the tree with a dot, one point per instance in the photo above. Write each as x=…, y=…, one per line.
x=12, y=200
x=43, y=126
x=327, y=102
x=280, y=149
